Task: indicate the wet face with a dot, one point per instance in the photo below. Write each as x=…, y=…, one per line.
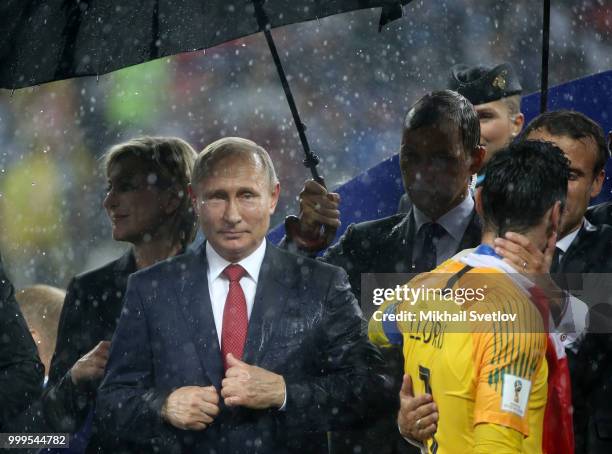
x=135, y=206
x=435, y=168
x=583, y=183
x=234, y=204
x=497, y=128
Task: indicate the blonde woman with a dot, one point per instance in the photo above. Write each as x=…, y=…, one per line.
x=148, y=205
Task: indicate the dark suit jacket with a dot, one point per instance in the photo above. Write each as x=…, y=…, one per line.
x=591, y=367
x=305, y=325
x=21, y=372
x=90, y=313
x=590, y=252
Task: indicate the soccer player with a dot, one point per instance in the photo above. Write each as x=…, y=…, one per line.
x=488, y=378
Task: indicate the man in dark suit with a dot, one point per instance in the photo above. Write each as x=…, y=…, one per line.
x=21, y=372
x=238, y=347
x=439, y=153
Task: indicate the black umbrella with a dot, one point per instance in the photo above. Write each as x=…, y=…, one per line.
x=47, y=40
x=59, y=39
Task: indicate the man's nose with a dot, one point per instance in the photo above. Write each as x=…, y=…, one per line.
x=232, y=212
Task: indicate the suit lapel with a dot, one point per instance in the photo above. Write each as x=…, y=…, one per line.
x=273, y=289
x=196, y=308
x=402, y=244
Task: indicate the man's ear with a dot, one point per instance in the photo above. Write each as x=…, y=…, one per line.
x=274, y=197
x=478, y=201
x=478, y=156
x=598, y=183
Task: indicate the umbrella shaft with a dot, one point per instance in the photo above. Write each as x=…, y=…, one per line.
x=545, y=56
x=311, y=160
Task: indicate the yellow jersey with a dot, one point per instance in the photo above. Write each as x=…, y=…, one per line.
x=479, y=366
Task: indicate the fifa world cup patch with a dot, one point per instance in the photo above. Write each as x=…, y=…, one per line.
x=515, y=394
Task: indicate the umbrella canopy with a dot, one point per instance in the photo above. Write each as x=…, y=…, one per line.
x=59, y=39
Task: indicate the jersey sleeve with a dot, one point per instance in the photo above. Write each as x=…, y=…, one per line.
x=490, y=438
x=383, y=331
x=507, y=357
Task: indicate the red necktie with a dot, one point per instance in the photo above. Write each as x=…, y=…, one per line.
x=235, y=318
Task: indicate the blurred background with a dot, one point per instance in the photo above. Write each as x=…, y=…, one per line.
x=352, y=85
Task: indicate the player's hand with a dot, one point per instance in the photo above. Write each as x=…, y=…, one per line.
x=251, y=386
x=90, y=367
x=191, y=407
x=417, y=418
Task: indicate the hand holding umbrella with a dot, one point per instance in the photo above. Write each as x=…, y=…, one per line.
x=319, y=218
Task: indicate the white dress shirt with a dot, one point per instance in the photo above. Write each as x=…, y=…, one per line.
x=455, y=223
x=218, y=284
x=565, y=242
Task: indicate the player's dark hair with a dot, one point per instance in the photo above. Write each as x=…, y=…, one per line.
x=523, y=181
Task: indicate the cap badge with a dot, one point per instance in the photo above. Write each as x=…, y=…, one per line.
x=500, y=81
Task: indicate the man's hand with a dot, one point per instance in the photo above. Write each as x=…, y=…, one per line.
x=518, y=251
x=523, y=255
x=319, y=218
x=90, y=367
x=191, y=407
x=319, y=207
x=251, y=386
x=418, y=416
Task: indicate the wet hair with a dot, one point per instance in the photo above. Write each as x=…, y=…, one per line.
x=575, y=125
x=231, y=146
x=170, y=160
x=446, y=106
x=524, y=180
